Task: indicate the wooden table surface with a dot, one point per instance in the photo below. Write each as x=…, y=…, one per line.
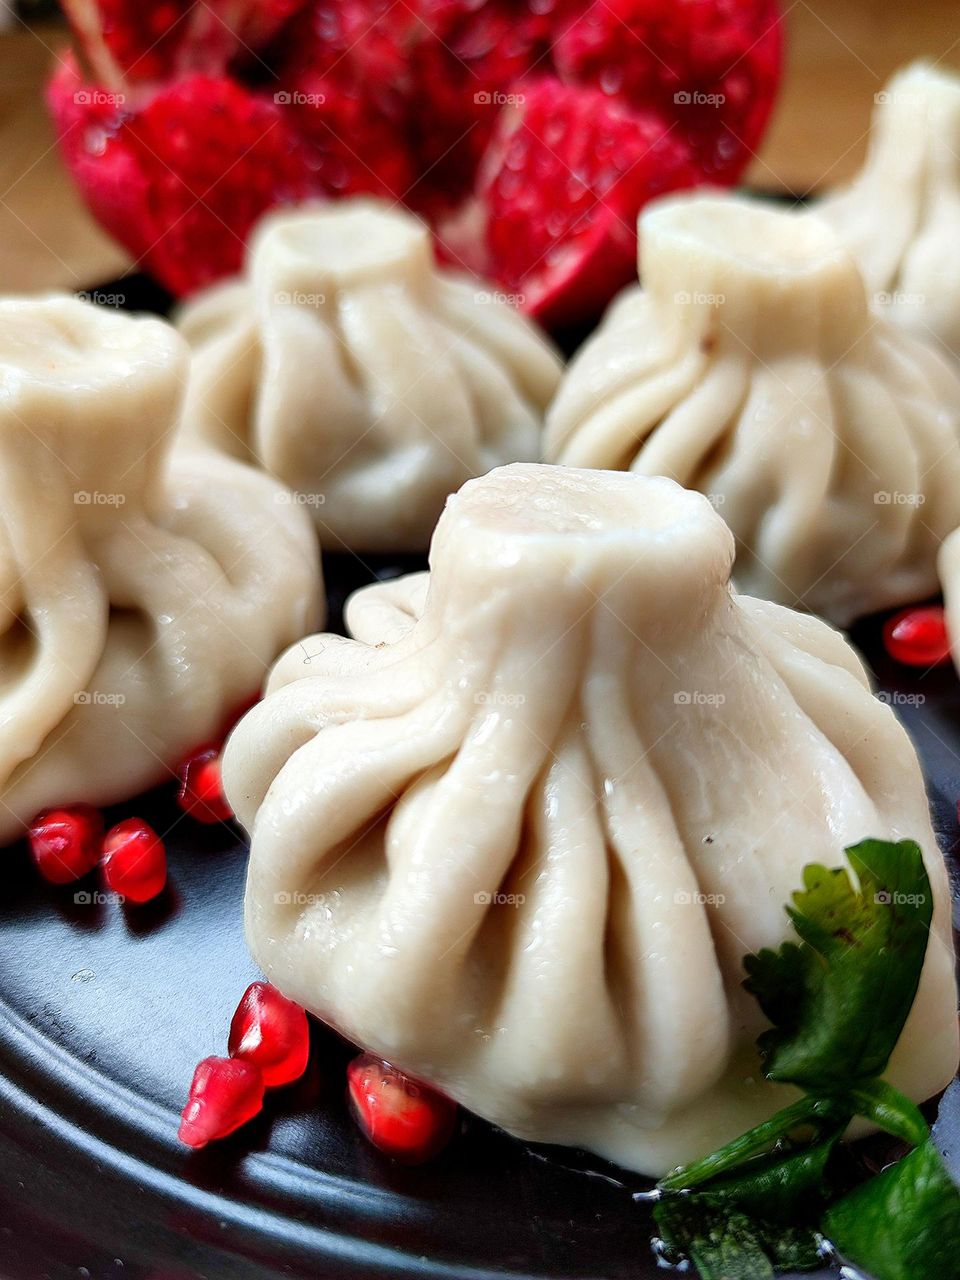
x=840, y=52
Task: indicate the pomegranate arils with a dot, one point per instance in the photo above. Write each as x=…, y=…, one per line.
x=271, y=1032
x=161, y=38
x=179, y=174
x=225, y=1094
x=201, y=791
x=918, y=637
x=134, y=861
x=204, y=116
x=65, y=843
x=563, y=180
x=401, y=1117
x=709, y=69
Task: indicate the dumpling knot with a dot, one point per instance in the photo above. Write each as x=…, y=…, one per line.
x=88, y=400
x=561, y=548
x=750, y=276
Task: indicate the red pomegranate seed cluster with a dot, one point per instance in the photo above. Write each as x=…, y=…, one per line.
x=269, y=1047
x=269, y=1041
x=67, y=844
x=918, y=637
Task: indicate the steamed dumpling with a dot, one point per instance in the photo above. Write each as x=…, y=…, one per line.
x=372, y=382
x=751, y=368
x=901, y=214
x=518, y=835
x=143, y=595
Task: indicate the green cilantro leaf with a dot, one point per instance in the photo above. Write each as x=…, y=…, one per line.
x=724, y=1244
x=745, y=1225
x=903, y=1224
x=838, y=999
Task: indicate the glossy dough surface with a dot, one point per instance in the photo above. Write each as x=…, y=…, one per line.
x=368, y=379
x=750, y=367
x=143, y=594
x=900, y=214
x=518, y=835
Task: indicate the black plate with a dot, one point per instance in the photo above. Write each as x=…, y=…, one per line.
x=105, y=1011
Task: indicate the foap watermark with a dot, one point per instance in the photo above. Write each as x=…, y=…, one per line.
x=484, y=899
x=100, y=298
x=894, y=698
x=498, y=698
x=494, y=98
x=899, y=96
x=697, y=98
x=98, y=98
x=698, y=698
x=694, y=898
x=897, y=298
x=297, y=898
x=716, y=499
x=896, y=498
x=86, y=498
x=299, y=298
x=685, y=299
x=98, y=698
x=503, y=299
x=297, y=498
x=97, y=898
x=884, y=898
x=294, y=98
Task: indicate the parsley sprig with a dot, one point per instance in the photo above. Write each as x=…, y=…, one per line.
x=837, y=1001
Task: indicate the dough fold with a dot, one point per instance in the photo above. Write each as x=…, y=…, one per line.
x=143, y=593
x=750, y=367
x=518, y=835
x=900, y=215
x=374, y=383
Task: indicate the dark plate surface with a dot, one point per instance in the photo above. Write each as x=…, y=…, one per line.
x=105, y=1011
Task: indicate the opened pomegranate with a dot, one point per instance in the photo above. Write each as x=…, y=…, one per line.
x=192, y=119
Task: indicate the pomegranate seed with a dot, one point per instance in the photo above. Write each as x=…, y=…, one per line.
x=134, y=861
x=201, y=791
x=405, y=1119
x=918, y=637
x=65, y=843
x=225, y=1094
x=272, y=1032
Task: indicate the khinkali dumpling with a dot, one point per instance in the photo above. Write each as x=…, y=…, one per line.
x=143, y=595
x=750, y=367
x=900, y=215
x=518, y=836
x=372, y=382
